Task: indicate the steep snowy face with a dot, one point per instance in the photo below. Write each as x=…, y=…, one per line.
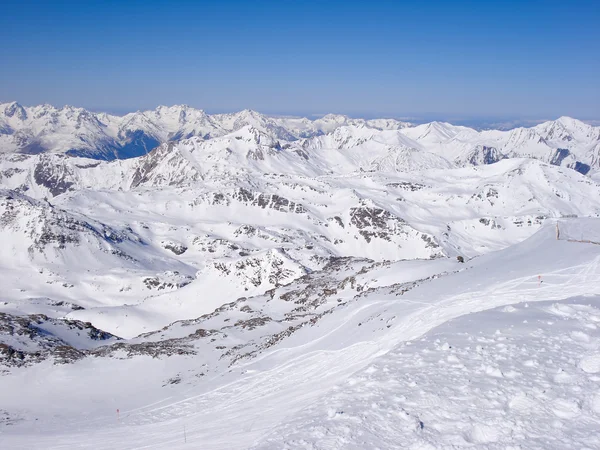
x=566, y=129
x=171, y=123
x=52, y=174
x=36, y=231
x=438, y=133
x=347, y=137
x=563, y=142
x=360, y=148
x=245, y=152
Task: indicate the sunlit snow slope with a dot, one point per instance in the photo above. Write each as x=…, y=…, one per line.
x=331, y=383
x=172, y=278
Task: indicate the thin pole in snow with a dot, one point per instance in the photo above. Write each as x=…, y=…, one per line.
x=184, y=435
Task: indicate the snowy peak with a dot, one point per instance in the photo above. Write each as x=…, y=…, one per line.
x=566, y=129
x=565, y=141
x=14, y=110
x=435, y=132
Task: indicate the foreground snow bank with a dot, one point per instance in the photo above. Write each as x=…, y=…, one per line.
x=522, y=376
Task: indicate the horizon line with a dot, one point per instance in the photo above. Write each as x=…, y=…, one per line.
x=427, y=117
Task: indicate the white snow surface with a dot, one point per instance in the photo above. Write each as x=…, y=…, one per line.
x=273, y=282
x=426, y=368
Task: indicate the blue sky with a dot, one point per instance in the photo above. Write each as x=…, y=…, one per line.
x=438, y=59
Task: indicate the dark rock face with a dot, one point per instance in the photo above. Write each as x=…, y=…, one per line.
x=29, y=339
x=272, y=201
x=16, y=110
x=167, y=281
x=483, y=154
x=581, y=168
x=175, y=247
x=9, y=173
x=243, y=195
x=362, y=217
x=559, y=155
x=29, y=146
x=154, y=349
x=57, y=178
x=374, y=222
x=213, y=245
x=487, y=193
x=339, y=221
x=219, y=199
x=407, y=186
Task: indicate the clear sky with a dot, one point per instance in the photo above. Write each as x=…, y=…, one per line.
x=363, y=58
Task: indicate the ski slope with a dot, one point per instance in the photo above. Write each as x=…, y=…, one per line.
x=352, y=380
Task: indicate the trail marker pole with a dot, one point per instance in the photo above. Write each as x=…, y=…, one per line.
x=118, y=415
x=539, y=280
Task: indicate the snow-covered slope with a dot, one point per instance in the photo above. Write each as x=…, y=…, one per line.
x=243, y=259
x=563, y=142
x=316, y=363
x=210, y=216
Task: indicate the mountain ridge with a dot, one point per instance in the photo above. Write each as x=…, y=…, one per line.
x=78, y=132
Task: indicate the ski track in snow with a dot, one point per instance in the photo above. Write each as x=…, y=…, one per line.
x=283, y=399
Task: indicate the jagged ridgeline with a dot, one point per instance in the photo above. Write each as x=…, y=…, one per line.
x=78, y=132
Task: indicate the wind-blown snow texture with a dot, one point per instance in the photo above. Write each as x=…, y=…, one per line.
x=284, y=283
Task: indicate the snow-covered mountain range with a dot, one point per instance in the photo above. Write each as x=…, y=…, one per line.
x=272, y=257
x=78, y=132
x=249, y=200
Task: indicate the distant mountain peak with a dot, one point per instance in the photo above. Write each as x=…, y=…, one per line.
x=14, y=109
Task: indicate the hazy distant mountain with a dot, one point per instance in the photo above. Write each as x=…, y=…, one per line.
x=77, y=132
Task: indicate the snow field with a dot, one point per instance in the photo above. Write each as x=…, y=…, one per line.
x=356, y=377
